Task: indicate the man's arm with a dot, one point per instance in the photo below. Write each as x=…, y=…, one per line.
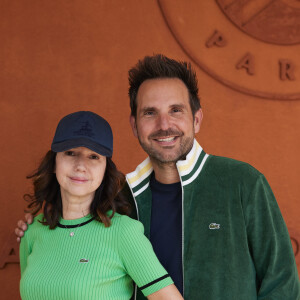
x=270, y=246
x=22, y=226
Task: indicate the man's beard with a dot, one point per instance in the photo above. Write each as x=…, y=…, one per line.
x=185, y=145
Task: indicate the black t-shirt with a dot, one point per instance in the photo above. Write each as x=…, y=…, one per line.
x=166, y=227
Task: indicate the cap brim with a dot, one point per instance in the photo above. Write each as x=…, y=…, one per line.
x=82, y=142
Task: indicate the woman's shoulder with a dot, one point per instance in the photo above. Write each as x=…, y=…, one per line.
x=36, y=227
x=37, y=222
x=127, y=222
x=38, y=217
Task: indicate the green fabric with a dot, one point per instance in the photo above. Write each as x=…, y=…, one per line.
x=247, y=254
x=51, y=267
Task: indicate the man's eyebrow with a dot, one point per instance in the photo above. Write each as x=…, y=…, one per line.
x=146, y=108
x=178, y=105
x=153, y=108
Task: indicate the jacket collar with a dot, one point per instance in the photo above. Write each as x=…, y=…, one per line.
x=188, y=170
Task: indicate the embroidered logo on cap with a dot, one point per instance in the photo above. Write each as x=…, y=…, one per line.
x=214, y=226
x=85, y=130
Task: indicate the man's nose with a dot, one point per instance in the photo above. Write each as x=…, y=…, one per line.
x=164, y=121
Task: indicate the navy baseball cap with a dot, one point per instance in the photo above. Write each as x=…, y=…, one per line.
x=83, y=129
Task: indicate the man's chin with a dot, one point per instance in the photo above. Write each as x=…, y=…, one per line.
x=167, y=154
x=165, y=159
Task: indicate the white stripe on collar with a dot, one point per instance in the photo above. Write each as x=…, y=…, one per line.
x=142, y=171
x=184, y=167
x=197, y=172
x=187, y=165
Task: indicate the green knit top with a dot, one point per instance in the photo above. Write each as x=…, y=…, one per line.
x=95, y=263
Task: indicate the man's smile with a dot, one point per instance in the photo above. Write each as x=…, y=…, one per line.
x=166, y=141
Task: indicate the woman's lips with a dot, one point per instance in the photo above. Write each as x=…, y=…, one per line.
x=78, y=180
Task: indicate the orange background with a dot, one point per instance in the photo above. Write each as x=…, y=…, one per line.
x=58, y=57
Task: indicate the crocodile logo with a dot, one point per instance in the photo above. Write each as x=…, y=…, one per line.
x=83, y=260
x=214, y=226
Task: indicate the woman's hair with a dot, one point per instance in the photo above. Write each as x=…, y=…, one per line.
x=46, y=194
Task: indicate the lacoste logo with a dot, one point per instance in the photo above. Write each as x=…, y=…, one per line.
x=214, y=226
x=83, y=260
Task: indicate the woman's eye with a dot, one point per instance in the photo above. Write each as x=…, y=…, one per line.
x=94, y=157
x=69, y=153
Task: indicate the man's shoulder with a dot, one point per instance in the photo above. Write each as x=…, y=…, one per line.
x=126, y=192
x=229, y=167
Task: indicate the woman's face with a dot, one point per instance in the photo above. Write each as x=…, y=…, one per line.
x=79, y=171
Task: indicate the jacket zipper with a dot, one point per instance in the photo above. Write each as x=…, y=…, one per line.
x=182, y=233
x=138, y=218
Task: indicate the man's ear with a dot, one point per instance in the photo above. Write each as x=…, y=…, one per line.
x=133, y=125
x=197, y=120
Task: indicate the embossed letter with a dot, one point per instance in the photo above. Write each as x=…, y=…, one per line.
x=286, y=69
x=10, y=252
x=216, y=39
x=247, y=62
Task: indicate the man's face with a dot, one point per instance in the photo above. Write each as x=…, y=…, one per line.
x=164, y=123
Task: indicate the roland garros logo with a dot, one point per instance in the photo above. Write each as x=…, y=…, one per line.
x=252, y=46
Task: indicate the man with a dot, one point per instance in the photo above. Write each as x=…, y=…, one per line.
x=213, y=221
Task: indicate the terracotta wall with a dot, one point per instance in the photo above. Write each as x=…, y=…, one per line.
x=57, y=57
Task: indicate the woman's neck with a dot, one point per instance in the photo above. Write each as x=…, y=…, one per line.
x=75, y=207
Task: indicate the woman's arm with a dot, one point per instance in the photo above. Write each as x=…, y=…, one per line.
x=142, y=264
x=169, y=292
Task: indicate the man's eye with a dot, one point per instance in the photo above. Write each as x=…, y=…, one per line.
x=149, y=113
x=176, y=110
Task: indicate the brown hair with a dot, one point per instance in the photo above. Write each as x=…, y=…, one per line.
x=160, y=66
x=47, y=195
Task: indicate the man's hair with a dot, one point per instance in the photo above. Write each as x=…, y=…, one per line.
x=46, y=194
x=158, y=67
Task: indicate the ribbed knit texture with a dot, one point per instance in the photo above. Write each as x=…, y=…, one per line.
x=51, y=267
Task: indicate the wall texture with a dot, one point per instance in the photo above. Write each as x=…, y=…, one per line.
x=57, y=57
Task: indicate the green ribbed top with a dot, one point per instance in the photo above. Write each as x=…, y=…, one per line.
x=95, y=263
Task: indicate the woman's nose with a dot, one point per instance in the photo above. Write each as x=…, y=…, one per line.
x=80, y=164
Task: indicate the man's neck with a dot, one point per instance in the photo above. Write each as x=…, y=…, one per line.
x=165, y=173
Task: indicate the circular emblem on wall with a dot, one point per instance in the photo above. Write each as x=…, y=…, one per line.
x=251, y=46
x=276, y=22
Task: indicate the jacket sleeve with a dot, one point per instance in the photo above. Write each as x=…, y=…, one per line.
x=270, y=246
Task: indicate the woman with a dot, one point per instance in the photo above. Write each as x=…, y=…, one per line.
x=81, y=247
